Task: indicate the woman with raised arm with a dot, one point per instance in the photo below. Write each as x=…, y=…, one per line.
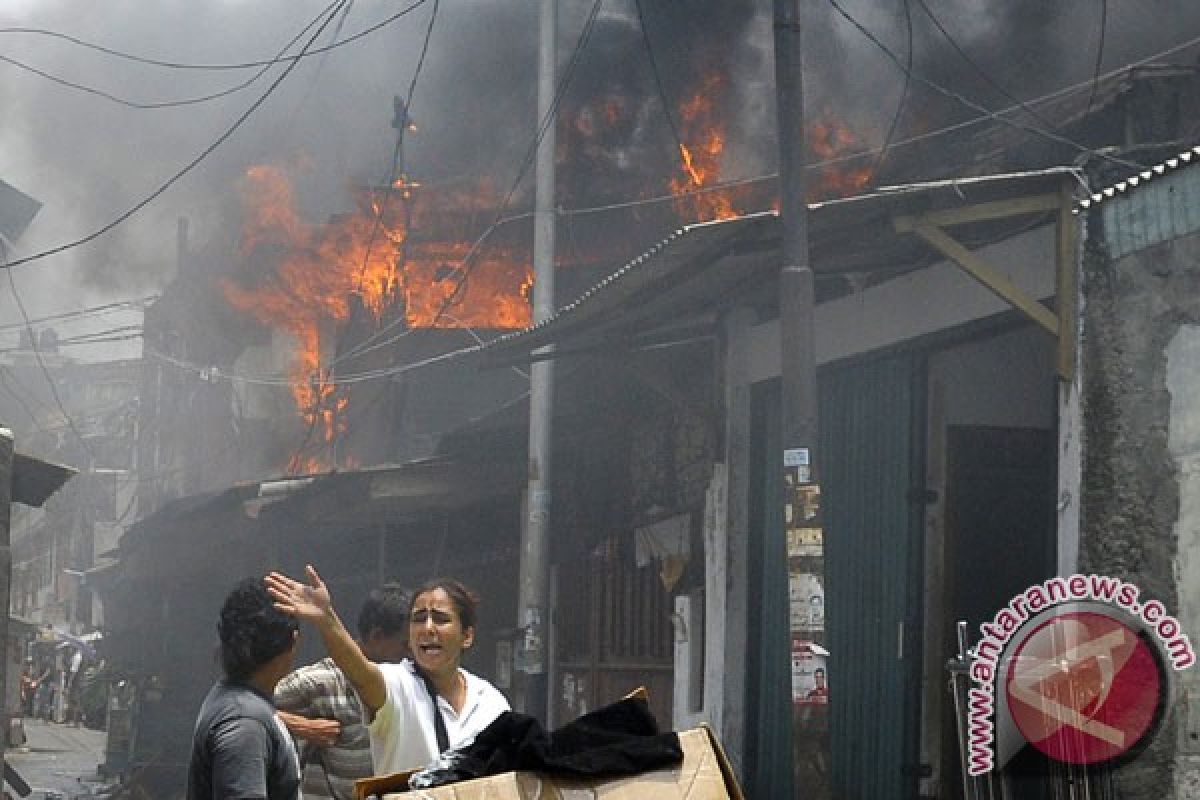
x=421, y=706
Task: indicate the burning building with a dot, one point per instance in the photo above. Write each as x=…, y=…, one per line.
x=927, y=382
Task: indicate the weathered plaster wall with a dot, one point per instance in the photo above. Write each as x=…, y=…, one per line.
x=1140, y=504
x=1183, y=382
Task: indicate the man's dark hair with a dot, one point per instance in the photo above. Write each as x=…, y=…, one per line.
x=385, y=610
x=252, y=630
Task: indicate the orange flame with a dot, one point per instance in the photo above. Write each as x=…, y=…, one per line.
x=701, y=167
x=830, y=139
x=369, y=254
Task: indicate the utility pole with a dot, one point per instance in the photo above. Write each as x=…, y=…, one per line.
x=810, y=728
x=6, y=476
x=533, y=591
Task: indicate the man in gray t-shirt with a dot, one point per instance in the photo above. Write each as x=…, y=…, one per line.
x=240, y=749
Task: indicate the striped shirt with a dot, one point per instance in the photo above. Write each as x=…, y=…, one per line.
x=321, y=690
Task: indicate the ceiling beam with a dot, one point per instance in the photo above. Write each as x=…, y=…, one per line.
x=988, y=275
x=998, y=209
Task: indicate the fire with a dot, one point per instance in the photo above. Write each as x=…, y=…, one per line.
x=387, y=254
x=489, y=292
x=699, y=124
x=704, y=145
x=829, y=139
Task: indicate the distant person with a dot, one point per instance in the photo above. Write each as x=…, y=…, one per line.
x=28, y=687
x=43, y=697
x=319, y=706
x=240, y=749
x=424, y=705
x=74, y=688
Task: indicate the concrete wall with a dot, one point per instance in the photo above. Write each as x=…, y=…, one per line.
x=1140, y=514
x=1001, y=381
x=1005, y=380
x=926, y=301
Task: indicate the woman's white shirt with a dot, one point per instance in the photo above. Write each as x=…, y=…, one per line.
x=403, y=736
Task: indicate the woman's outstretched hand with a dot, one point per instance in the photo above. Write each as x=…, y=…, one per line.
x=309, y=601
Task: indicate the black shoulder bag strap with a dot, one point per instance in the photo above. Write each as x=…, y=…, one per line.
x=439, y=724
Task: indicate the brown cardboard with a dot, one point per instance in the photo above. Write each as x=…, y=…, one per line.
x=704, y=774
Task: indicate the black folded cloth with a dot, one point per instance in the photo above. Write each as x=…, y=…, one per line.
x=618, y=739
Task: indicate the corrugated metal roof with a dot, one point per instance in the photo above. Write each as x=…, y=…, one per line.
x=702, y=263
x=1184, y=159
x=348, y=496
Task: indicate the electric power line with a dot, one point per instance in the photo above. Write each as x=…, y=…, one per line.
x=501, y=222
x=467, y=265
x=662, y=94
x=908, y=64
x=1099, y=53
x=215, y=67
x=67, y=317
x=402, y=124
x=38, y=355
x=264, y=66
x=983, y=73
x=468, y=262
x=972, y=104
x=331, y=11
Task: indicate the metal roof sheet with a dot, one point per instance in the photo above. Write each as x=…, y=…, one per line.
x=699, y=265
x=1184, y=159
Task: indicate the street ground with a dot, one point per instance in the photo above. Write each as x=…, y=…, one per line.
x=59, y=761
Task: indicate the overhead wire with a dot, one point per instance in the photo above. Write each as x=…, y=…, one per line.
x=983, y=73
x=168, y=103
x=891, y=131
x=468, y=262
x=331, y=11
x=1099, y=54
x=402, y=125
x=213, y=373
x=959, y=98
x=467, y=265
x=316, y=381
x=215, y=67
x=397, y=150
x=66, y=317
x=658, y=83
x=375, y=341
x=38, y=355
x=320, y=68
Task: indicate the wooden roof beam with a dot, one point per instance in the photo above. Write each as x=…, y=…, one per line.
x=998, y=209
x=1060, y=323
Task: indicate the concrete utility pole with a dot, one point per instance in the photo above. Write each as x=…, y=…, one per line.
x=810, y=730
x=6, y=475
x=533, y=592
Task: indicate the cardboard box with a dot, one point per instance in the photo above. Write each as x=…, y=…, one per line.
x=704, y=774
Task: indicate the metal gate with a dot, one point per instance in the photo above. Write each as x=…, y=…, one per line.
x=869, y=457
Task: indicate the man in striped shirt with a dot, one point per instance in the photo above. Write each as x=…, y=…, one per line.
x=321, y=710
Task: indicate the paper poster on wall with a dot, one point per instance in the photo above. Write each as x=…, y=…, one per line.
x=810, y=680
x=806, y=598
x=805, y=542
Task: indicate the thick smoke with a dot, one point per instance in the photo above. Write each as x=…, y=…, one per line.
x=89, y=159
x=1022, y=49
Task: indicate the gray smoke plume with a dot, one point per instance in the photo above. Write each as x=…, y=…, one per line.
x=88, y=159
